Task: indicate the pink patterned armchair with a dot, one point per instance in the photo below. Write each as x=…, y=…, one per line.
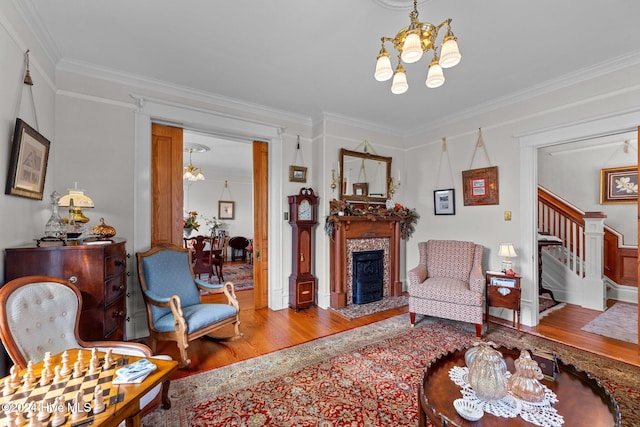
x=448, y=282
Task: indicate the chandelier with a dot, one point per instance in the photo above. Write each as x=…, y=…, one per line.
x=192, y=173
x=410, y=43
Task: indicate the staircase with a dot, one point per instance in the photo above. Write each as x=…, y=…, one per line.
x=589, y=263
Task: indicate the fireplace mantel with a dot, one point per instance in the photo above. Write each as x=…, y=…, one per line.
x=362, y=227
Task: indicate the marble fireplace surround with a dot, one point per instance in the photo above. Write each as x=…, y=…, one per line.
x=357, y=233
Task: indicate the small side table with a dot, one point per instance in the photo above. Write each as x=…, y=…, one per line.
x=504, y=291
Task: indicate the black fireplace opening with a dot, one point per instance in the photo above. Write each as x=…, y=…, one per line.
x=368, y=276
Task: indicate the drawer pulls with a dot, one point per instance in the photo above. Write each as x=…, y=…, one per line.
x=118, y=314
x=73, y=279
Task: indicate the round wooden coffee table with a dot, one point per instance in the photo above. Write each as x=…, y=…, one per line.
x=581, y=399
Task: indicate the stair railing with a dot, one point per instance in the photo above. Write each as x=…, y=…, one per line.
x=559, y=218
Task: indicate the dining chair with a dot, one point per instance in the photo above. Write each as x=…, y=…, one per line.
x=201, y=258
x=217, y=256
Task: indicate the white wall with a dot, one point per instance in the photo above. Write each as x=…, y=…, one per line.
x=23, y=219
x=203, y=197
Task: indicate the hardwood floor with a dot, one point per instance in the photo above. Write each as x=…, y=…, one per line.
x=266, y=331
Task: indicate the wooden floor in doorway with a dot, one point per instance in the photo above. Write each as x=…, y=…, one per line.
x=564, y=325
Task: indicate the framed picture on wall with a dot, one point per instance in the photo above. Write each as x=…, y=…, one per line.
x=480, y=186
x=297, y=174
x=619, y=185
x=28, y=162
x=226, y=209
x=444, y=202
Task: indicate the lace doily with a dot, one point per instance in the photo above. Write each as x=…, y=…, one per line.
x=540, y=414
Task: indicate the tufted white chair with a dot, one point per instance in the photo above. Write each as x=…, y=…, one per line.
x=448, y=282
x=40, y=314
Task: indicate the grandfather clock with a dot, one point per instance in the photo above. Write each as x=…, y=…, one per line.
x=303, y=218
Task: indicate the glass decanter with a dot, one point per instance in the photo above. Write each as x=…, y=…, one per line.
x=55, y=227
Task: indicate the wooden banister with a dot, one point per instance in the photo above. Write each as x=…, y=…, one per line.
x=561, y=219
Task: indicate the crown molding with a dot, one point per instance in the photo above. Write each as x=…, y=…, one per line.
x=596, y=70
x=32, y=20
x=360, y=123
x=142, y=82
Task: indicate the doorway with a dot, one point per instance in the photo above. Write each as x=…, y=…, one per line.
x=560, y=170
x=529, y=143
x=220, y=161
x=151, y=110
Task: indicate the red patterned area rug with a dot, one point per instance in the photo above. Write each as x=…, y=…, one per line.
x=240, y=274
x=367, y=376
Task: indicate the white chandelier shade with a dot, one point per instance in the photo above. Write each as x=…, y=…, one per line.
x=435, y=76
x=399, y=85
x=383, y=67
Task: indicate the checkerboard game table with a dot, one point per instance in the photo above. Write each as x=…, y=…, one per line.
x=121, y=401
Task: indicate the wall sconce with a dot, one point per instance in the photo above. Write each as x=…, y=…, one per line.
x=507, y=251
x=394, y=184
x=335, y=178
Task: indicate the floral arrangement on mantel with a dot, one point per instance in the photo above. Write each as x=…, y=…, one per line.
x=409, y=217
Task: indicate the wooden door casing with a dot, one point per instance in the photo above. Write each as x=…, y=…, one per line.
x=260, y=224
x=166, y=185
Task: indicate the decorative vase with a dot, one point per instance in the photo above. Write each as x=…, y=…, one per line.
x=55, y=227
x=525, y=382
x=103, y=230
x=187, y=232
x=487, y=372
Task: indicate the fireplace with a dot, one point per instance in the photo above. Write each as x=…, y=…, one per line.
x=368, y=276
x=355, y=234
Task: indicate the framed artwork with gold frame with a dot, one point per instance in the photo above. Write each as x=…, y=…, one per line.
x=297, y=174
x=619, y=185
x=480, y=186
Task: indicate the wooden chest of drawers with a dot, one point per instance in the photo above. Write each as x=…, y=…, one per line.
x=98, y=270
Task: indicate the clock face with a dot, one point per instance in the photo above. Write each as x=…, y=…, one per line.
x=304, y=211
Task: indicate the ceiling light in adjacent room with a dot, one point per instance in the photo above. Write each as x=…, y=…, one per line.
x=192, y=173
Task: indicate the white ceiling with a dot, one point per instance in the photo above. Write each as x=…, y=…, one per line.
x=315, y=57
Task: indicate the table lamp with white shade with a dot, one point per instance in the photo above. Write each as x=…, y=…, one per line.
x=507, y=251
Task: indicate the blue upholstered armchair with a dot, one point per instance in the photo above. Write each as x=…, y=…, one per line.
x=175, y=310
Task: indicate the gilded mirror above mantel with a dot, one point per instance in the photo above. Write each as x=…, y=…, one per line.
x=364, y=177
